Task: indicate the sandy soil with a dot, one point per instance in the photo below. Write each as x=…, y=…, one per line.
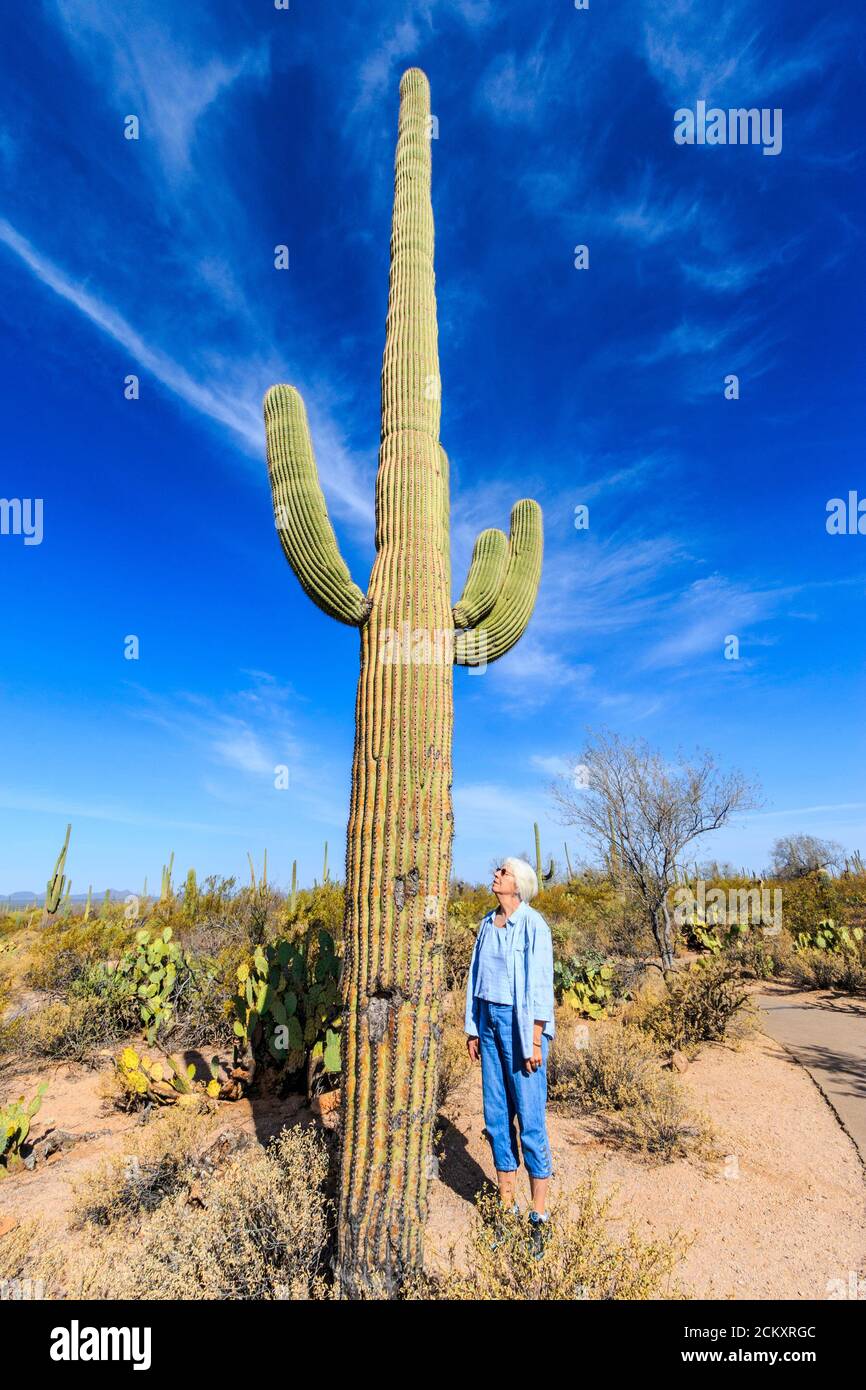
x=781, y=1211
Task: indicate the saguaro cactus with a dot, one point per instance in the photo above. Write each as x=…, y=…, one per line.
x=166, y=892
x=398, y=850
x=57, y=883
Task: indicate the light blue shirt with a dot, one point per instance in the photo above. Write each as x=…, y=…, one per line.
x=514, y=963
x=495, y=975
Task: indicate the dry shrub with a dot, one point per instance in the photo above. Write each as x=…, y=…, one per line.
x=705, y=1003
x=158, y=1162
x=10, y=1026
x=761, y=957
x=662, y=1125
x=618, y=1073
x=256, y=1228
x=32, y=1261
x=454, y=1062
x=262, y=1232
x=601, y=1066
x=65, y=948
x=582, y=1258
x=75, y=1032
x=816, y=969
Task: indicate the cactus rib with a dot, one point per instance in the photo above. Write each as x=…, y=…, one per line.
x=300, y=513
x=484, y=580
x=515, y=601
x=400, y=829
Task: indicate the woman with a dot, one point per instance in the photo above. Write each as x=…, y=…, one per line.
x=509, y=1025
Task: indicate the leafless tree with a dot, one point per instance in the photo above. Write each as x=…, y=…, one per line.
x=794, y=856
x=639, y=812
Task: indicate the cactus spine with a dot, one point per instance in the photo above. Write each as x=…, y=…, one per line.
x=57, y=885
x=398, y=847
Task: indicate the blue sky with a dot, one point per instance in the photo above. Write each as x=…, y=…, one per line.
x=602, y=387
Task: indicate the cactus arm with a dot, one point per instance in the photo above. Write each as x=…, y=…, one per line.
x=484, y=580
x=512, y=610
x=300, y=513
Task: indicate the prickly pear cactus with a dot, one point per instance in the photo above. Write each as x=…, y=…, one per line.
x=398, y=852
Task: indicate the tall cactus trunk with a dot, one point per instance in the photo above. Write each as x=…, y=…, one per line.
x=398, y=844
x=398, y=855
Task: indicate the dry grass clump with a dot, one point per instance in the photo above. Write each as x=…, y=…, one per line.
x=664, y=1126
x=614, y=1069
x=582, y=1258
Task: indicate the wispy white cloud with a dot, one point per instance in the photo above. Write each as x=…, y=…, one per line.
x=623, y=476
x=607, y=586
x=156, y=66
x=476, y=13
x=647, y=216
x=240, y=418
x=378, y=68
x=710, y=52
x=249, y=731
x=708, y=611
x=236, y=405
x=737, y=343
x=518, y=87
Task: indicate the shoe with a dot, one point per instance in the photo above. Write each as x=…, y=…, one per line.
x=539, y=1233
x=499, y=1224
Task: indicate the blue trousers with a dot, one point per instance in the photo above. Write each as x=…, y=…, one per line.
x=510, y=1092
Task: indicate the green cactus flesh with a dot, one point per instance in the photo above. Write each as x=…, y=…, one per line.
x=398, y=848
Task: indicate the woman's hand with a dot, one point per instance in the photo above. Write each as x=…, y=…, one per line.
x=535, y=1061
x=473, y=1047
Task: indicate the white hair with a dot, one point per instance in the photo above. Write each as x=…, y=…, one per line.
x=524, y=876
